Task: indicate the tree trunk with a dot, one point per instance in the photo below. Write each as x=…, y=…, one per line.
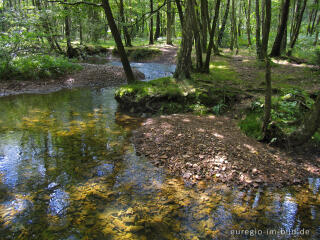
x=224, y=23
x=198, y=40
x=80, y=32
x=117, y=39
x=233, y=26
x=204, y=21
x=267, y=104
x=127, y=37
x=157, y=33
x=266, y=28
x=249, y=23
x=258, y=30
x=169, y=22
x=206, y=67
x=276, y=49
x=151, y=24
x=184, y=57
x=296, y=26
x=68, y=32
x=317, y=32
x=180, y=12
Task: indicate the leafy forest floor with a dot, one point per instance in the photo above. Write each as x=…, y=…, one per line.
x=212, y=147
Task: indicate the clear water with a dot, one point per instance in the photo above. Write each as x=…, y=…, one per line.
x=151, y=69
x=69, y=171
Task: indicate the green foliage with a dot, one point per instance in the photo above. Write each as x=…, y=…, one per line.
x=252, y=125
x=288, y=112
x=36, y=67
x=317, y=56
x=219, y=108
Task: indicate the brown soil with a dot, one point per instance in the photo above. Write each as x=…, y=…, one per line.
x=92, y=75
x=213, y=148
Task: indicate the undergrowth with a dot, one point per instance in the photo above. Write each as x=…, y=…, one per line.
x=288, y=112
x=35, y=67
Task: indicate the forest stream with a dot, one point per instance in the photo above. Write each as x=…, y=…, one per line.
x=69, y=171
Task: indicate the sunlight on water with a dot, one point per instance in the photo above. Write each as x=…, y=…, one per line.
x=69, y=171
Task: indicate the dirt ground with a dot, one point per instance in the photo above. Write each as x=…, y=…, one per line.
x=213, y=148
x=92, y=75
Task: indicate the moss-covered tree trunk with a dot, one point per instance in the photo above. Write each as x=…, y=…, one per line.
x=117, y=39
x=184, y=56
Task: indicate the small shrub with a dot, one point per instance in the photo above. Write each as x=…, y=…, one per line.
x=252, y=125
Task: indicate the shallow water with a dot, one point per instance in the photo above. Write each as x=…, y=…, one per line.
x=151, y=69
x=69, y=171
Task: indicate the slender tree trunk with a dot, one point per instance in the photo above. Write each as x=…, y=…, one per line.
x=224, y=23
x=276, y=49
x=197, y=38
x=80, y=32
x=249, y=23
x=184, y=56
x=233, y=26
x=169, y=23
x=206, y=67
x=204, y=21
x=317, y=32
x=157, y=33
x=284, y=41
x=180, y=12
x=296, y=26
x=127, y=37
x=117, y=39
x=258, y=31
x=266, y=28
x=151, y=24
x=267, y=104
x=68, y=32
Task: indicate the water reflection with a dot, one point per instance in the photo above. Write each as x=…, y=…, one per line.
x=69, y=171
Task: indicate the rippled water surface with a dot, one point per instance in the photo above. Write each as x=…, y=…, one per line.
x=69, y=171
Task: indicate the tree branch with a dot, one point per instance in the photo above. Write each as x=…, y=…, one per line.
x=77, y=3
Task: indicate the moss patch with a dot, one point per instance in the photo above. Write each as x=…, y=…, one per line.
x=167, y=95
